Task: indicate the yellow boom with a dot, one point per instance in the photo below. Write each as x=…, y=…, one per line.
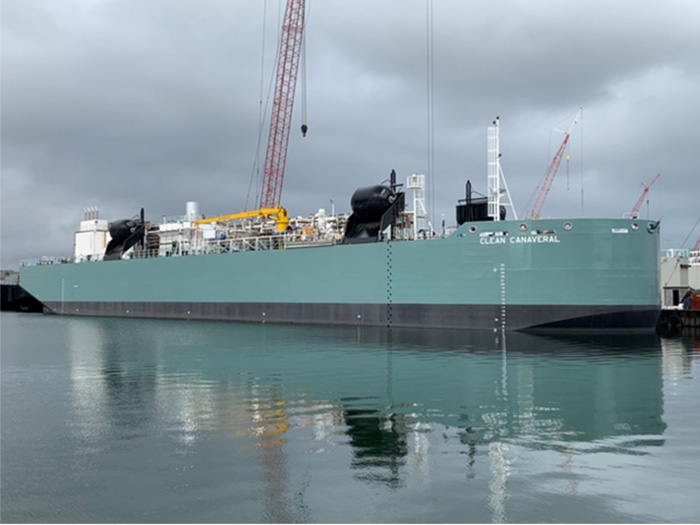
x=278, y=213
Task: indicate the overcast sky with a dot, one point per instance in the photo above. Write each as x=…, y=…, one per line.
x=124, y=104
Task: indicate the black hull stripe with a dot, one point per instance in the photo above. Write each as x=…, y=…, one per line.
x=480, y=317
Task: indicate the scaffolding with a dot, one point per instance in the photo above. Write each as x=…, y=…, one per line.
x=422, y=228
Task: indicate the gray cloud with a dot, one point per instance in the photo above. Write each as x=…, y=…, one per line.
x=151, y=103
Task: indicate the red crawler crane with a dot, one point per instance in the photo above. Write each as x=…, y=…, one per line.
x=553, y=168
x=280, y=123
x=634, y=214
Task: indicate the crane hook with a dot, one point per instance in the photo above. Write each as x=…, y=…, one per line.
x=304, y=129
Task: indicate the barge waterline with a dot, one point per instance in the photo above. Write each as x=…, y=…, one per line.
x=520, y=317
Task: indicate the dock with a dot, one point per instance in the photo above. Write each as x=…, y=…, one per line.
x=674, y=318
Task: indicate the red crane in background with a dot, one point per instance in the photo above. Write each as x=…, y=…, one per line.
x=634, y=214
x=285, y=85
x=553, y=168
x=697, y=245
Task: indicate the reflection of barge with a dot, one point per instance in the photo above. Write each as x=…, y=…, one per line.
x=594, y=387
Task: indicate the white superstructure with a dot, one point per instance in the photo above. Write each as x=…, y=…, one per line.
x=421, y=221
x=680, y=270
x=91, y=240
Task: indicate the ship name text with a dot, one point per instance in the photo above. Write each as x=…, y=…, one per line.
x=521, y=239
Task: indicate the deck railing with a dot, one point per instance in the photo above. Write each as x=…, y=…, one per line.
x=46, y=260
x=206, y=247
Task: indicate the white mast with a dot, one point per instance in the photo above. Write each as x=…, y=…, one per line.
x=494, y=172
x=421, y=222
x=495, y=175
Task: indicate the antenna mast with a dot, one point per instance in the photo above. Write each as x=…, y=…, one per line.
x=495, y=174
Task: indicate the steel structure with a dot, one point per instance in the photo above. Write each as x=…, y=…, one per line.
x=493, y=176
x=634, y=214
x=421, y=219
x=497, y=185
x=551, y=173
x=279, y=214
x=283, y=104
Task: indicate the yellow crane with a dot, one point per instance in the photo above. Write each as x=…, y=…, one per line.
x=278, y=213
x=276, y=156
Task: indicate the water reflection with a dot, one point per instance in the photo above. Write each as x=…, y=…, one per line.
x=379, y=444
x=395, y=399
x=678, y=355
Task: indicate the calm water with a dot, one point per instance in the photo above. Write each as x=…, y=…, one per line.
x=107, y=420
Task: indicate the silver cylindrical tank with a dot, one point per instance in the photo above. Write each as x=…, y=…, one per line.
x=192, y=210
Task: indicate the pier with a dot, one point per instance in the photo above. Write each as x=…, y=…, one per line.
x=674, y=318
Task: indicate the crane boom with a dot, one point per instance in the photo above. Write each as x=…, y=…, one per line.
x=634, y=214
x=283, y=103
x=278, y=213
x=696, y=248
x=551, y=173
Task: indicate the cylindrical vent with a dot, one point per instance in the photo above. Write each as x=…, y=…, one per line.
x=192, y=210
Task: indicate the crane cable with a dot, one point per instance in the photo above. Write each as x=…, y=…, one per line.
x=568, y=158
x=539, y=187
x=304, y=126
x=255, y=172
x=581, y=156
x=430, y=146
x=690, y=232
x=261, y=114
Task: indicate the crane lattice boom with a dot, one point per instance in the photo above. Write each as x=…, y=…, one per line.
x=634, y=214
x=551, y=173
x=285, y=85
x=553, y=168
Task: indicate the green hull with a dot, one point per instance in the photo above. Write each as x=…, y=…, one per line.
x=513, y=275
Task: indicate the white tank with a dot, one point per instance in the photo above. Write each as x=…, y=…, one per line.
x=192, y=210
x=321, y=220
